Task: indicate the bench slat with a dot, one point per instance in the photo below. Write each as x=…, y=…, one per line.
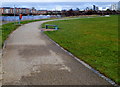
x=46, y=26
x=50, y=25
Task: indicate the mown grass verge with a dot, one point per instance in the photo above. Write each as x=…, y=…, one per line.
x=93, y=40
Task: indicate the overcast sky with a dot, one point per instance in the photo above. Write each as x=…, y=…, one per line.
x=82, y=4
x=59, y=0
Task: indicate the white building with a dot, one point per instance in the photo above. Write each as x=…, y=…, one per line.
x=119, y=5
x=116, y=6
x=103, y=8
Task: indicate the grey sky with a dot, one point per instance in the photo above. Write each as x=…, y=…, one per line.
x=42, y=5
x=57, y=5
x=59, y=0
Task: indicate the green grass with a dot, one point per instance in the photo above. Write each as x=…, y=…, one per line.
x=93, y=40
x=6, y=29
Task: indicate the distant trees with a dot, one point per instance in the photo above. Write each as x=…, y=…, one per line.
x=88, y=11
x=77, y=12
x=71, y=12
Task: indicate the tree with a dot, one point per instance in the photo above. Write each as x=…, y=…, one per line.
x=87, y=8
x=108, y=10
x=71, y=12
x=77, y=9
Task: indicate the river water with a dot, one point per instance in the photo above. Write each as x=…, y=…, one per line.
x=16, y=18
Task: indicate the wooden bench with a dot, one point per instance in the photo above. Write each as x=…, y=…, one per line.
x=55, y=26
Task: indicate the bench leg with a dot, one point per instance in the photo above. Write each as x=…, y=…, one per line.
x=46, y=27
x=56, y=28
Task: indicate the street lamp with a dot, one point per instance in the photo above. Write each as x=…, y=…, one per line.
x=14, y=14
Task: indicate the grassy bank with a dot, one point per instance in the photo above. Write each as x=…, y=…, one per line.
x=93, y=40
x=6, y=29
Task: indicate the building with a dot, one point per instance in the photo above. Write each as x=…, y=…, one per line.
x=54, y=12
x=17, y=11
x=24, y=11
x=119, y=5
x=103, y=8
x=115, y=7
x=6, y=10
x=95, y=8
x=40, y=12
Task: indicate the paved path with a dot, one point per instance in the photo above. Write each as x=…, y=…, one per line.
x=30, y=58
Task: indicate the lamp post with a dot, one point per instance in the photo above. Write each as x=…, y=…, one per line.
x=14, y=14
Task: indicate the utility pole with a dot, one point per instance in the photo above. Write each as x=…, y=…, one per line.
x=14, y=14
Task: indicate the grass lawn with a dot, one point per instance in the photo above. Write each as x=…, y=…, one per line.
x=6, y=29
x=93, y=40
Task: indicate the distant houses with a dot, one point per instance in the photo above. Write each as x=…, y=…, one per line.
x=27, y=11
x=24, y=11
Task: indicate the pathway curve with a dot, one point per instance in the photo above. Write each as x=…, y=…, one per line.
x=30, y=58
